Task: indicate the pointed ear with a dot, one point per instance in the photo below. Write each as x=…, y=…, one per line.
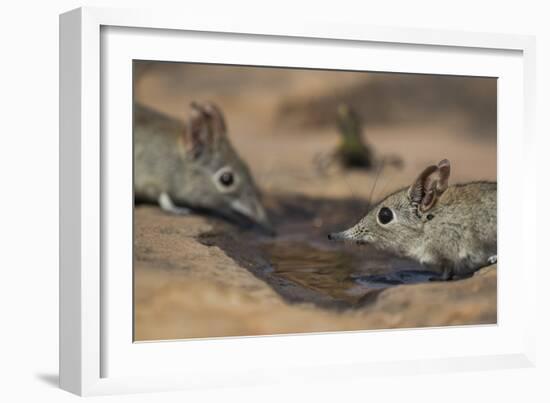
x=206, y=127
x=430, y=185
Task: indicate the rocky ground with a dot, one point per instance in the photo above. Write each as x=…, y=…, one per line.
x=197, y=276
x=186, y=288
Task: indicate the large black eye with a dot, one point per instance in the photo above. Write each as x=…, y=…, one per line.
x=385, y=215
x=226, y=178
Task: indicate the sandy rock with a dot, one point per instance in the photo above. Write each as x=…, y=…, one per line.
x=186, y=289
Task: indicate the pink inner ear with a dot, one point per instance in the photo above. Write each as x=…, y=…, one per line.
x=427, y=201
x=429, y=185
x=216, y=115
x=444, y=164
x=196, y=136
x=416, y=191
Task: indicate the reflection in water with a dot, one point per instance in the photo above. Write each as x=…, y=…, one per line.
x=341, y=274
x=396, y=278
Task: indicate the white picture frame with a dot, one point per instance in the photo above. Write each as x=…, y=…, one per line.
x=97, y=356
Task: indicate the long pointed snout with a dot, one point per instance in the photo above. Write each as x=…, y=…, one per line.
x=351, y=234
x=337, y=236
x=262, y=220
x=256, y=214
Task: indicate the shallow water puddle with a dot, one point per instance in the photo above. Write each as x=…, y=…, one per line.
x=340, y=273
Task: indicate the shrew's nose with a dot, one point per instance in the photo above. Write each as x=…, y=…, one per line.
x=334, y=236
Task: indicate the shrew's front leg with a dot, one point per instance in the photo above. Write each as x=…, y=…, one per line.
x=443, y=271
x=166, y=203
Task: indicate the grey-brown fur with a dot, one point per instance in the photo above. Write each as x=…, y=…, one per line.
x=179, y=164
x=449, y=229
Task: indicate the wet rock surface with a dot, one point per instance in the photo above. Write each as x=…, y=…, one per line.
x=198, y=277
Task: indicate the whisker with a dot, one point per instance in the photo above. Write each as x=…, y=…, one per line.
x=354, y=196
x=386, y=183
x=379, y=171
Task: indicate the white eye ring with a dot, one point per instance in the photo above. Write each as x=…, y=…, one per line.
x=225, y=179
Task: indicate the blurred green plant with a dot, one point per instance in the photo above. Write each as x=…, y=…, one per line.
x=352, y=152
